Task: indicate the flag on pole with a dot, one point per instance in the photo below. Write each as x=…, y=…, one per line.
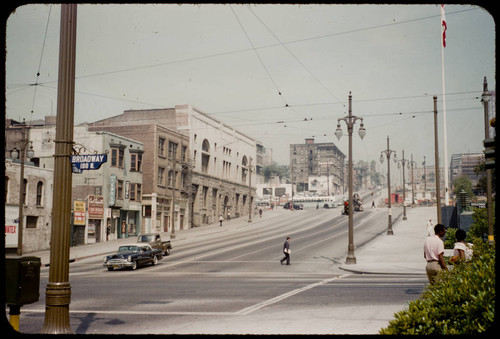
x=443, y=26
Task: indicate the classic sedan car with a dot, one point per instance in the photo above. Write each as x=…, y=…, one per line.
x=133, y=255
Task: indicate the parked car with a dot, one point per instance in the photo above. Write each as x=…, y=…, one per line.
x=295, y=206
x=155, y=241
x=133, y=255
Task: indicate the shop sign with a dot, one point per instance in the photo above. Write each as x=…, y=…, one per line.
x=96, y=206
x=79, y=212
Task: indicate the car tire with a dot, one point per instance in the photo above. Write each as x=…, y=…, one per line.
x=167, y=252
x=155, y=260
x=134, y=265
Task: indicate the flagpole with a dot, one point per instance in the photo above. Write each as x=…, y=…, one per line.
x=445, y=143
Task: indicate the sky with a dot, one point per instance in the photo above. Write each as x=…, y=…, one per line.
x=279, y=73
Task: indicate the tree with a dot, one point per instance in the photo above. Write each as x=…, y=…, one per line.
x=274, y=170
x=463, y=182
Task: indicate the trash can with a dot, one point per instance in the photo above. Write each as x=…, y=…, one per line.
x=22, y=280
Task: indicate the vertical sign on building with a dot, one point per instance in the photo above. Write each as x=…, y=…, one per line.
x=112, y=189
x=79, y=212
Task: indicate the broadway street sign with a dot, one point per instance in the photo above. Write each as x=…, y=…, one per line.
x=79, y=163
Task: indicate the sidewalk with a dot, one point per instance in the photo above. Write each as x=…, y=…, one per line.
x=400, y=253
x=108, y=247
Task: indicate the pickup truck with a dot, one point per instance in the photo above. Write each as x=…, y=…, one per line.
x=154, y=240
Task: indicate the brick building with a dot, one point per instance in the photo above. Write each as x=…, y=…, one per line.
x=214, y=170
x=320, y=160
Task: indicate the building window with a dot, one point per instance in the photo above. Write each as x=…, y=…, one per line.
x=170, y=178
x=161, y=175
x=183, y=153
x=205, y=156
x=119, y=190
x=117, y=155
x=135, y=162
x=39, y=193
x=135, y=192
x=172, y=150
x=31, y=221
x=161, y=147
x=244, y=170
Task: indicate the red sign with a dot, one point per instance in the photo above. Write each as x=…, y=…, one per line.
x=96, y=206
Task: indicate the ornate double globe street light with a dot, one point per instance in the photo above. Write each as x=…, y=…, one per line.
x=350, y=120
x=404, y=162
x=26, y=150
x=388, y=153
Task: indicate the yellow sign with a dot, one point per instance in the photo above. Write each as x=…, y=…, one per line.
x=78, y=212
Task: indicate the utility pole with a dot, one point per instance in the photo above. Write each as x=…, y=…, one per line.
x=489, y=201
x=436, y=164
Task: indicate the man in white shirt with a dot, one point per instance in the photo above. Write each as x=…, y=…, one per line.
x=430, y=228
x=434, y=253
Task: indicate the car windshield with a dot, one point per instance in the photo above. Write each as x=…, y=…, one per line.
x=128, y=249
x=146, y=238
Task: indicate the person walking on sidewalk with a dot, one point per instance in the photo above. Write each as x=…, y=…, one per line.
x=220, y=220
x=434, y=253
x=430, y=230
x=286, y=251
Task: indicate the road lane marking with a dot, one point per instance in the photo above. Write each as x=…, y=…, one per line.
x=244, y=311
x=274, y=300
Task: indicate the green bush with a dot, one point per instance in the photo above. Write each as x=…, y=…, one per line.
x=461, y=302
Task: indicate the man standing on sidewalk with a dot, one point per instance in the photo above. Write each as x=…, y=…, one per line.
x=434, y=253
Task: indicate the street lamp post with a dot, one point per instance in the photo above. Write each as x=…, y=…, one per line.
x=485, y=98
x=412, y=163
x=425, y=181
x=404, y=162
x=58, y=289
x=250, y=190
x=172, y=216
x=350, y=120
x=21, y=153
x=388, y=153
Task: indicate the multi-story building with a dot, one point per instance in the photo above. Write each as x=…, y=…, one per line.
x=107, y=201
x=323, y=160
x=166, y=169
x=37, y=205
x=464, y=164
x=219, y=165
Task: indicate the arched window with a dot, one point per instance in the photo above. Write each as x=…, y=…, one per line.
x=205, y=147
x=244, y=169
x=205, y=156
x=39, y=193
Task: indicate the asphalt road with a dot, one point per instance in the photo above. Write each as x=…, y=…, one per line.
x=231, y=281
